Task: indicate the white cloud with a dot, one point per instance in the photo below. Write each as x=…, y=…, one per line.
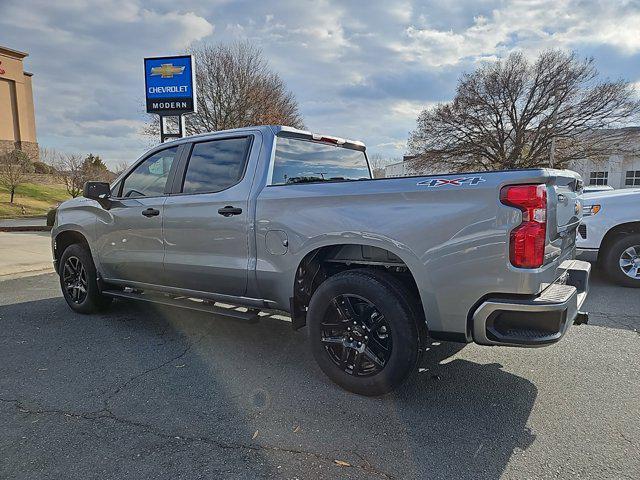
x=402, y=11
x=86, y=58
x=322, y=35
x=399, y=145
x=529, y=25
x=183, y=28
x=407, y=110
x=358, y=72
x=609, y=27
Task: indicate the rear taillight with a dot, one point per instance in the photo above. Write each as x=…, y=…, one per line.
x=527, y=240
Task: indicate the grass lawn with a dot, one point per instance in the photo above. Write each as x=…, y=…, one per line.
x=36, y=200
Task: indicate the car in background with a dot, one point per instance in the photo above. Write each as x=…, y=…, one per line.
x=610, y=234
x=597, y=188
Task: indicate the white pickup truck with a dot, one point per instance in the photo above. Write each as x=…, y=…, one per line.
x=610, y=234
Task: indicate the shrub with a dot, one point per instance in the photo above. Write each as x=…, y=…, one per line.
x=41, y=167
x=51, y=216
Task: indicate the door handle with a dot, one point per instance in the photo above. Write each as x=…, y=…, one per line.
x=151, y=212
x=229, y=211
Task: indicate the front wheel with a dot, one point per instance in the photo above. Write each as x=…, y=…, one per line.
x=622, y=260
x=363, y=331
x=78, y=281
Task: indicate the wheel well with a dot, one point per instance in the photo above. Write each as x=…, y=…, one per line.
x=64, y=239
x=615, y=232
x=324, y=262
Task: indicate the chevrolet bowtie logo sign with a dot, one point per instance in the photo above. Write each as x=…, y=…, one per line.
x=169, y=84
x=167, y=70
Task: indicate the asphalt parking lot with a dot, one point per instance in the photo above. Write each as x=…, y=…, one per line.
x=143, y=392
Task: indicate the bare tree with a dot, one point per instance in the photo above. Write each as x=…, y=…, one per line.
x=120, y=167
x=69, y=167
x=378, y=162
x=15, y=168
x=518, y=114
x=75, y=170
x=236, y=88
x=48, y=156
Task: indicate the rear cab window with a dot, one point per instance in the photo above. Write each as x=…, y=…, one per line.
x=216, y=165
x=298, y=160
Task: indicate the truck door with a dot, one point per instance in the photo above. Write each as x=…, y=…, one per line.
x=207, y=220
x=129, y=234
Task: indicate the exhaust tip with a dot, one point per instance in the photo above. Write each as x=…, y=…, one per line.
x=582, y=318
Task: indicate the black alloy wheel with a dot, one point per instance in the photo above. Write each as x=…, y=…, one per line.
x=356, y=335
x=79, y=280
x=363, y=330
x=74, y=277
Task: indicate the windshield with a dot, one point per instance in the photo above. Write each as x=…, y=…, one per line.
x=304, y=161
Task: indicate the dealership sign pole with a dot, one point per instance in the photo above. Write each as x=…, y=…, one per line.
x=170, y=90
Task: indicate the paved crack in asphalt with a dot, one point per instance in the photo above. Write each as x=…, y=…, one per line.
x=132, y=379
x=585, y=423
x=107, y=414
x=615, y=318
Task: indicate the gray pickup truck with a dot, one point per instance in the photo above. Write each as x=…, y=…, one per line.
x=274, y=218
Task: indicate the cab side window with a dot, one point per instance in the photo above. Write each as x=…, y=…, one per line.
x=149, y=179
x=216, y=165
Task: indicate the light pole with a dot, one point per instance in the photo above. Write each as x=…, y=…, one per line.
x=552, y=153
x=554, y=121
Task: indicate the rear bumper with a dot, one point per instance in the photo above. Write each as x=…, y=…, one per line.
x=534, y=322
x=587, y=254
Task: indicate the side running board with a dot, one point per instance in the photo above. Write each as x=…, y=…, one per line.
x=225, y=310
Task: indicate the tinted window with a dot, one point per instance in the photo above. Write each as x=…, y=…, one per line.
x=633, y=178
x=299, y=161
x=216, y=165
x=115, y=189
x=150, y=177
x=599, y=178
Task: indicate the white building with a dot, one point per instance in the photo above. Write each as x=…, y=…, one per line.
x=618, y=171
x=402, y=169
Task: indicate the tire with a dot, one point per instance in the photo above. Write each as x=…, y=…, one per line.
x=624, y=250
x=77, y=273
x=376, y=353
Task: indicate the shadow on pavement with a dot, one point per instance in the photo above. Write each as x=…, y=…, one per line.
x=610, y=305
x=167, y=392
x=110, y=396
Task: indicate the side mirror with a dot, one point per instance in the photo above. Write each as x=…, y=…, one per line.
x=96, y=190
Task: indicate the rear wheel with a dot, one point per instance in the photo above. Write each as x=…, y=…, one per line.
x=363, y=331
x=78, y=281
x=622, y=260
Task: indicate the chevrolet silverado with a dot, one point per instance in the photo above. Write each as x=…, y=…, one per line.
x=274, y=218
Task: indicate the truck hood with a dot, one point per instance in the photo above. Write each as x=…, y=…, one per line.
x=613, y=194
x=74, y=202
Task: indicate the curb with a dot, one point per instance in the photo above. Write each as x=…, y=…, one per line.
x=26, y=228
x=26, y=273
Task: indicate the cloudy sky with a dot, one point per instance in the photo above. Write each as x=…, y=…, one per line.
x=359, y=69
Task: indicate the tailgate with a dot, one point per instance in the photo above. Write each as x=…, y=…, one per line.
x=564, y=212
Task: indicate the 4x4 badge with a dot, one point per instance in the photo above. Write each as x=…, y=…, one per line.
x=438, y=182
